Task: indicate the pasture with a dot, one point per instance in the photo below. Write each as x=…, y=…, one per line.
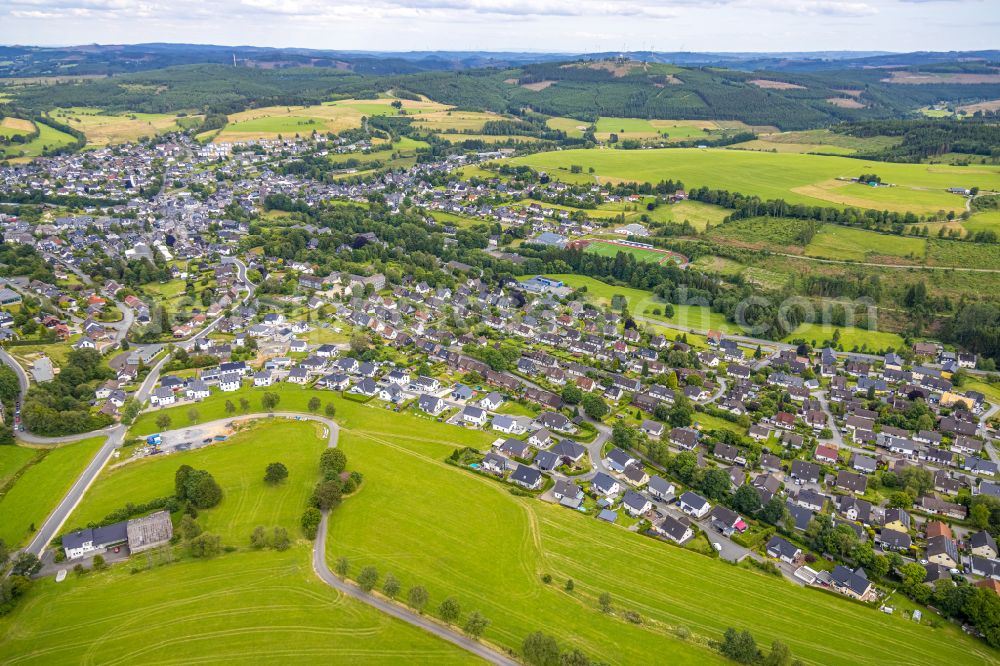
x=851, y=338
x=466, y=536
x=644, y=303
x=103, y=129
x=238, y=465
x=11, y=126
x=796, y=178
x=268, y=122
x=849, y=244
x=817, y=141
x=574, y=128
x=45, y=479
x=48, y=138
x=454, y=121
x=248, y=606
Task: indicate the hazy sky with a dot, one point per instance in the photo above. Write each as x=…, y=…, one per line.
x=537, y=25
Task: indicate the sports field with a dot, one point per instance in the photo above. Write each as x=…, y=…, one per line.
x=465, y=536
x=808, y=179
x=612, y=248
x=238, y=465
x=40, y=487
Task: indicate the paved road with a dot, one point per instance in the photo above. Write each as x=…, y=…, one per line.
x=389, y=608
x=399, y=612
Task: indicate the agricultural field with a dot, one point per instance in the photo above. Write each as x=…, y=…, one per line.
x=673, y=130
x=769, y=233
x=574, y=128
x=237, y=464
x=486, y=138
x=10, y=126
x=41, y=485
x=817, y=141
x=850, y=337
x=452, y=121
x=103, y=129
x=848, y=244
x=983, y=221
x=268, y=122
x=262, y=603
x=489, y=550
x=808, y=179
x=48, y=138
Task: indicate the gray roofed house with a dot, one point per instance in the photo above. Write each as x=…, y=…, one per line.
x=431, y=404
x=546, y=461
x=677, y=529
x=694, y=504
x=603, y=484
x=635, y=504
x=783, y=550
x=894, y=540
x=852, y=583
x=526, y=477
x=564, y=488
x=660, y=488
x=569, y=450
x=801, y=516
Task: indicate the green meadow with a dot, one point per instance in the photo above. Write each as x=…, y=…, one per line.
x=846, y=243
x=48, y=138
x=850, y=337
x=26, y=505
x=465, y=536
x=797, y=178
x=238, y=465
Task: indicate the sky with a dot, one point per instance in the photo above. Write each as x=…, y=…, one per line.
x=572, y=26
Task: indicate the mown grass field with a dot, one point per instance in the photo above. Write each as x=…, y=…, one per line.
x=850, y=337
x=11, y=126
x=608, y=249
x=244, y=607
x=465, y=536
x=846, y=243
x=13, y=459
x=25, y=506
x=238, y=465
x=817, y=141
x=808, y=179
x=458, y=121
x=574, y=128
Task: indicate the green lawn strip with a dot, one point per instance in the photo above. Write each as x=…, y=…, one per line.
x=12, y=460
x=259, y=607
x=464, y=536
x=39, y=489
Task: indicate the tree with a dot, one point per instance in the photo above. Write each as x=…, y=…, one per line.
x=230, y=407
x=280, y=539
x=746, y=500
x=163, y=421
x=779, y=655
x=912, y=575
x=188, y=527
x=572, y=395
x=979, y=515
x=269, y=401
x=417, y=598
x=574, y=657
x=206, y=545
x=740, y=646
x=449, y=610
x=368, y=578
x=26, y=564
x=341, y=566
x=198, y=487
x=258, y=538
x=594, y=406
x=605, y=602
x=330, y=410
x=327, y=495
x=4, y=553
x=569, y=585
x=475, y=624
x=715, y=484
x=390, y=587
x=130, y=410
x=774, y=511
x=314, y=404
x=244, y=405
x=332, y=462
x=275, y=473
x=540, y=649
x=193, y=415
x=310, y=522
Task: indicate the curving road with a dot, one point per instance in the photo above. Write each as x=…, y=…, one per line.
x=397, y=611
